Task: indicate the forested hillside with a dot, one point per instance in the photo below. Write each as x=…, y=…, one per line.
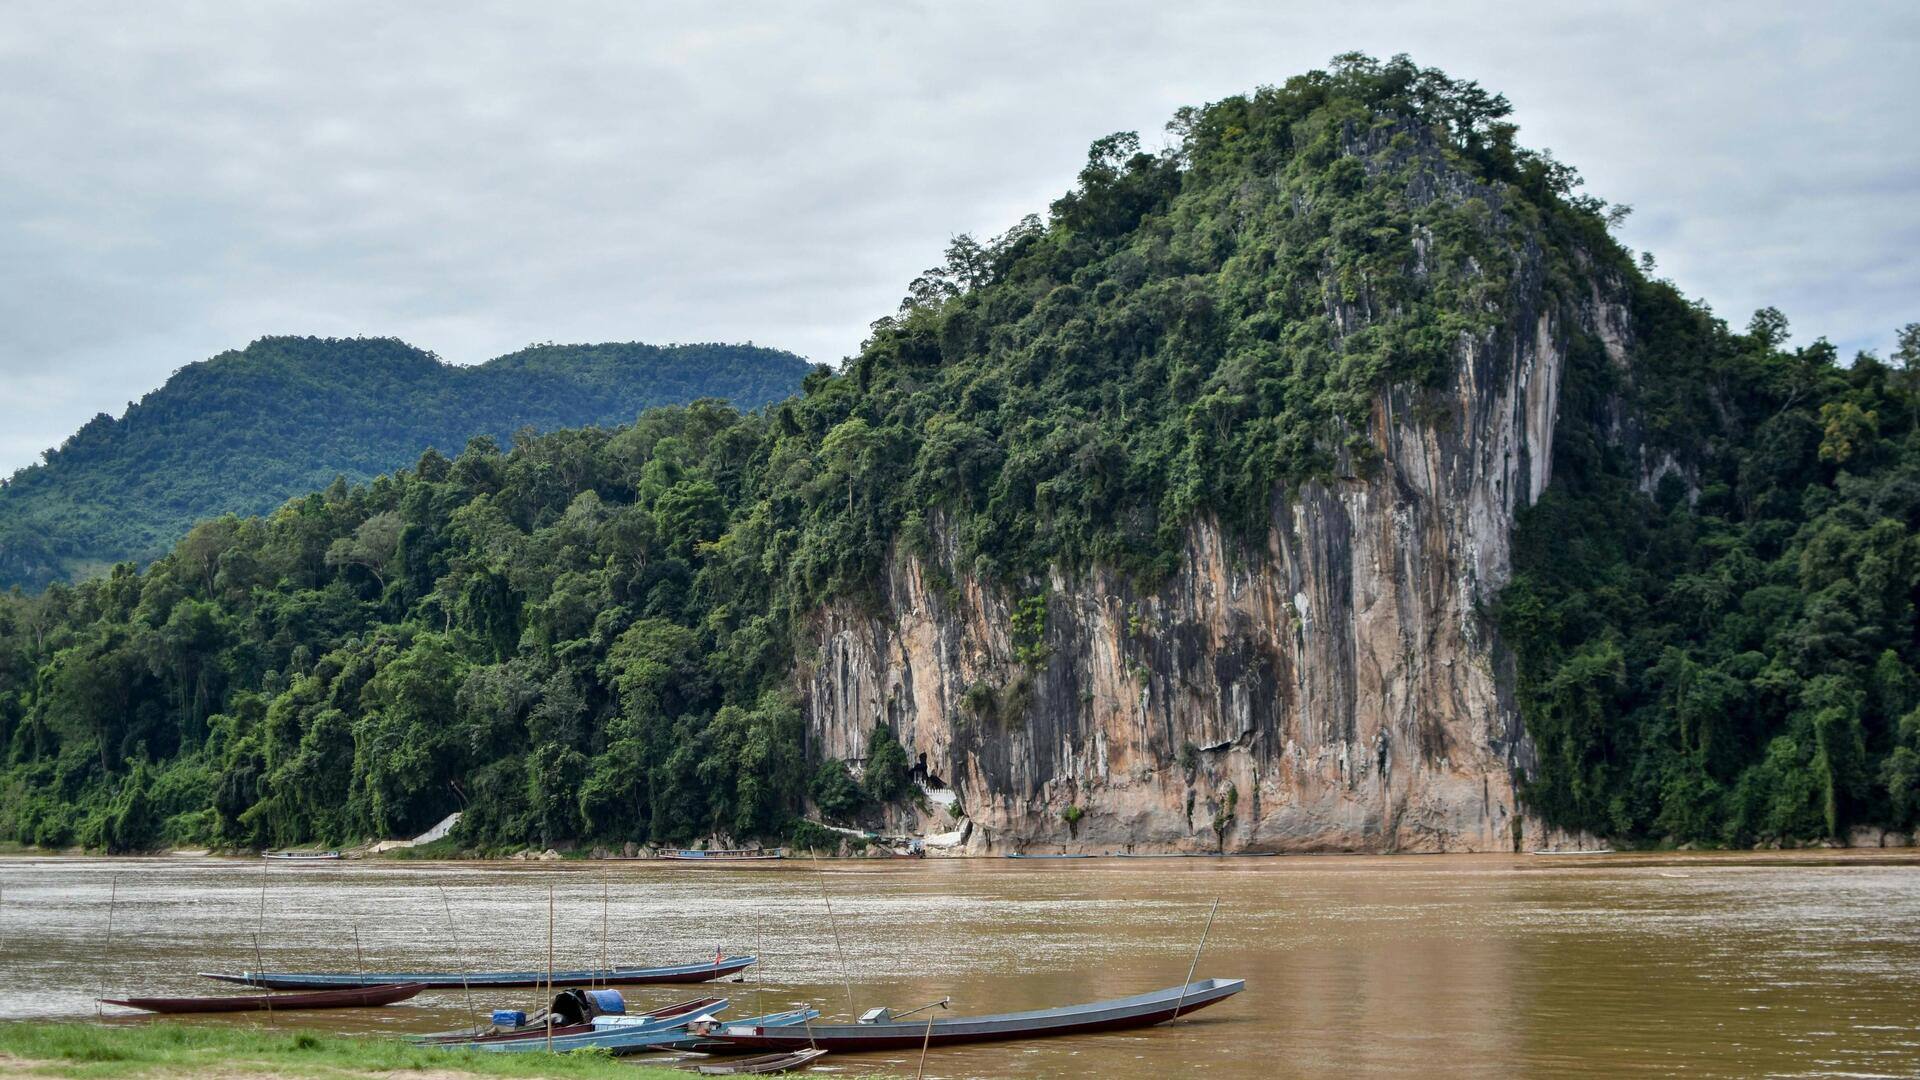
x=1715, y=625
x=247, y=430
x=594, y=635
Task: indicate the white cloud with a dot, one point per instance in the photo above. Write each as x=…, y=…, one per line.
x=177, y=180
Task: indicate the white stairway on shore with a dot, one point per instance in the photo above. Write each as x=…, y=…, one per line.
x=437, y=832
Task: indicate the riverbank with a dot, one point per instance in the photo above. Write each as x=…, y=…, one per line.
x=166, y=1050
x=1897, y=846
x=1721, y=965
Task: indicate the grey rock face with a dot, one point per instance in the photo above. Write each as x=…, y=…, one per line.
x=1339, y=688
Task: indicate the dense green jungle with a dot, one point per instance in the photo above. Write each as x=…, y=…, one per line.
x=591, y=636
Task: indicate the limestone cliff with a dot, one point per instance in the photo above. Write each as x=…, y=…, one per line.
x=1337, y=688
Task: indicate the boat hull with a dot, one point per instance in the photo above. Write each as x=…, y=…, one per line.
x=351, y=998
x=678, y=1014
x=764, y=1065
x=684, y=973
x=657, y=1034
x=1196, y=855
x=1120, y=1014
x=721, y=856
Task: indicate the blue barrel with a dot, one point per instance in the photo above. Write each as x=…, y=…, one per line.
x=509, y=1017
x=607, y=1002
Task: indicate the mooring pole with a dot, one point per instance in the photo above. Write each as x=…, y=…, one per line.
x=549, y=968
x=927, y=1039
x=113, y=898
x=838, y=950
x=1196, y=959
x=453, y=938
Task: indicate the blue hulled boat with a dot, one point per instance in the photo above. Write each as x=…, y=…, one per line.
x=678, y=973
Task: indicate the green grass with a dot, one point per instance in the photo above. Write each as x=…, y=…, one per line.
x=444, y=848
x=167, y=1050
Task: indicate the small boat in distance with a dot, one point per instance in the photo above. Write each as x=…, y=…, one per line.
x=885, y=1033
x=1062, y=855
x=679, y=973
x=300, y=856
x=1574, y=851
x=1194, y=854
x=722, y=855
x=351, y=998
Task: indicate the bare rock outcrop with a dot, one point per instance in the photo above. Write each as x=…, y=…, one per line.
x=1339, y=687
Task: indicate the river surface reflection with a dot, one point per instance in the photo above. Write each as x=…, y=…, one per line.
x=1702, y=965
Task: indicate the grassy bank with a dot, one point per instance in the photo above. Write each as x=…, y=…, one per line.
x=182, y=1050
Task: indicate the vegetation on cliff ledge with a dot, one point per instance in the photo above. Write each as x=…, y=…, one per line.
x=593, y=635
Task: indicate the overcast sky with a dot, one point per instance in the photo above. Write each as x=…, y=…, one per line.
x=177, y=180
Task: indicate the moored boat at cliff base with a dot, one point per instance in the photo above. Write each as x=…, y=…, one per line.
x=1194, y=854
x=721, y=855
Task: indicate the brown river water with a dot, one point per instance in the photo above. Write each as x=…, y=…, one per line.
x=1694, y=965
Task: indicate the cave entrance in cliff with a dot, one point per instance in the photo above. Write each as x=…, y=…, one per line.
x=925, y=777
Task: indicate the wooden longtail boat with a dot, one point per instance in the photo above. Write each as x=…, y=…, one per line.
x=764, y=1065
x=700, y=1033
x=530, y=1030
x=1141, y=1010
x=534, y=1037
x=1195, y=854
x=1067, y=855
x=621, y=1036
x=722, y=855
x=351, y=998
x=300, y=856
x=573, y=1014
x=679, y=973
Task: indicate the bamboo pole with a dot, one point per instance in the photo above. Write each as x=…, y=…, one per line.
x=549, y=967
x=837, y=948
x=927, y=1039
x=1196, y=959
x=259, y=928
x=453, y=938
x=260, y=966
x=113, y=900
x=606, y=947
